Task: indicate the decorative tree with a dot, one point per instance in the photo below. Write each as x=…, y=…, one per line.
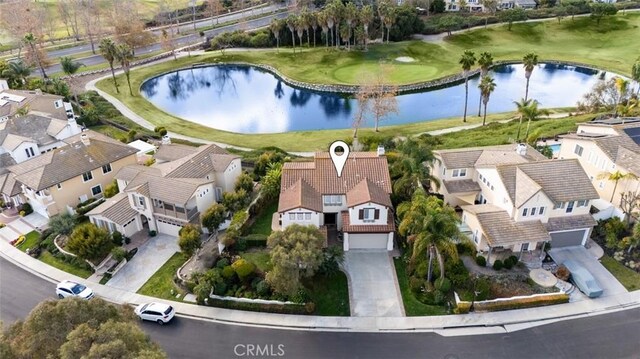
x=90, y=242
x=487, y=86
x=485, y=61
x=189, y=239
x=530, y=61
x=467, y=60
x=213, y=217
x=109, y=52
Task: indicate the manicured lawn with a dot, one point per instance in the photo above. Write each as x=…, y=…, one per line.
x=262, y=225
x=48, y=258
x=31, y=239
x=331, y=294
x=412, y=306
x=629, y=278
x=259, y=257
x=161, y=284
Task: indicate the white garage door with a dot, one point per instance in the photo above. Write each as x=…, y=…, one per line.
x=368, y=240
x=168, y=228
x=567, y=239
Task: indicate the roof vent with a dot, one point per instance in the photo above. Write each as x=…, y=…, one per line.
x=85, y=139
x=380, y=150
x=521, y=149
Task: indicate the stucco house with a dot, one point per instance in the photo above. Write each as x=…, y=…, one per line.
x=36, y=102
x=357, y=203
x=170, y=194
x=514, y=199
x=604, y=147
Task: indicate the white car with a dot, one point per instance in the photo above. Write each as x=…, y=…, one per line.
x=69, y=288
x=155, y=312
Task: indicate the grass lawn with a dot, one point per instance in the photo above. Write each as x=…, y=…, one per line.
x=260, y=257
x=31, y=239
x=331, y=294
x=161, y=284
x=629, y=278
x=412, y=306
x=262, y=225
x=48, y=258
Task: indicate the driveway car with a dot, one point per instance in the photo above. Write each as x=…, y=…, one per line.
x=583, y=279
x=155, y=312
x=69, y=288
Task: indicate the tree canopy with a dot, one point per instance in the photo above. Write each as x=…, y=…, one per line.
x=89, y=242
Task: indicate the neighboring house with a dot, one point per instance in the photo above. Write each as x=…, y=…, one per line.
x=357, y=203
x=170, y=194
x=11, y=101
x=57, y=181
x=526, y=4
x=513, y=198
x=605, y=147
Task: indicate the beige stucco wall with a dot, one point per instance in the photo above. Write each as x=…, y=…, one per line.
x=316, y=218
x=354, y=214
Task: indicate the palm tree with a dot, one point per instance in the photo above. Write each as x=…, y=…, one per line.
x=635, y=74
x=323, y=19
x=528, y=110
x=18, y=71
x=485, y=61
x=313, y=22
x=337, y=8
x=410, y=171
x=521, y=108
x=304, y=21
x=430, y=227
x=350, y=17
x=108, y=50
x=300, y=26
x=291, y=24
x=467, y=60
x=616, y=177
x=32, y=41
x=124, y=55
x=622, y=86
x=530, y=61
x=70, y=67
x=366, y=18
x=331, y=20
x=276, y=26
x=487, y=86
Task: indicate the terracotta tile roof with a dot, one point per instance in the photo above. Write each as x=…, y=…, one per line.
x=461, y=186
x=116, y=209
x=501, y=230
x=570, y=222
x=172, y=152
x=367, y=191
x=367, y=228
x=486, y=156
x=300, y=195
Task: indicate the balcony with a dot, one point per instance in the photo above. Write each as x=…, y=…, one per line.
x=176, y=212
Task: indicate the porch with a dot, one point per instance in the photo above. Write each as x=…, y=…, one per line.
x=530, y=258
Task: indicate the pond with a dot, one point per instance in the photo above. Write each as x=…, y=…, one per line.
x=246, y=99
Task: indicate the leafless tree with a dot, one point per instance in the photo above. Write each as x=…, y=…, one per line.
x=376, y=99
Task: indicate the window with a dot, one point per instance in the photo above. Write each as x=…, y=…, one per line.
x=480, y=176
x=570, y=207
x=307, y=216
x=476, y=238
x=463, y=172
x=87, y=176
x=578, y=150
x=459, y=172
x=444, y=171
x=582, y=203
x=31, y=150
x=525, y=247
x=541, y=211
x=368, y=214
x=492, y=187
x=558, y=205
x=533, y=211
x=292, y=216
x=333, y=200
x=96, y=190
x=300, y=216
x=141, y=202
x=106, y=168
x=27, y=151
x=524, y=212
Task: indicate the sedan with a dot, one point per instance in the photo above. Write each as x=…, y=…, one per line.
x=155, y=312
x=69, y=288
x=583, y=279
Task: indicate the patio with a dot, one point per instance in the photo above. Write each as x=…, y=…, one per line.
x=531, y=259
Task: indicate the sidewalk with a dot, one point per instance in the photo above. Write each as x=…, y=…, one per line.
x=450, y=325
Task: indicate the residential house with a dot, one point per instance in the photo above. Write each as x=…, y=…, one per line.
x=514, y=199
x=57, y=181
x=356, y=203
x=37, y=102
x=168, y=195
x=604, y=147
x=471, y=5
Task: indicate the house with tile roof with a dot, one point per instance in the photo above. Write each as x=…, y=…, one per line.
x=36, y=102
x=57, y=181
x=515, y=200
x=604, y=147
x=169, y=194
x=357, y=203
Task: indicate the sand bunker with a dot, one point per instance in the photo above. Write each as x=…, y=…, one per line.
x=405, y=59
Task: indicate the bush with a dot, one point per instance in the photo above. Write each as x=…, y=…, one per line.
x=422, y=269
x=263, y=289
x=520, y=303
x=222, y=262
x=416, y=284
x=220, y=288
x=240, y=245
x=481, y=261
x=443, y=284
x=563, y=273
x=510, y=262
x=439, y=297
x=243, y=268
x=22, y=213
x=301, y=296
x=152, y=233
x=228, y=272
x=259, y=307
x=497, y=265
x=117, y=238
x=26, y=208
x=255, y=240
x=118, y=253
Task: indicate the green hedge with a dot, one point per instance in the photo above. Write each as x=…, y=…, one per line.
x=259, y=307
x=255, y=240
x=519, y=303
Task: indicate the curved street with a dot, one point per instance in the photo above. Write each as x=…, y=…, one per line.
x=613, y=335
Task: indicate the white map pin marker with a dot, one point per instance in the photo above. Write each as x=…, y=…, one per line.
x=339, y=160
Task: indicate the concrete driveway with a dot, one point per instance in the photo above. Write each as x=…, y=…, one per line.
x=580, y=255
x=373, y=286
x=149, y=258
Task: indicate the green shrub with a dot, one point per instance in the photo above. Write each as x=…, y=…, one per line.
x=457, y=272
x=497, y=265
x=439, y=297
x=222, y=262
x=152, y=233
x=443, y=284
x=422, y=269
x=26, y=208
x=510, y=262
x=240, y=245
x=513, y=259
x=258, y=307
x=416, y=284
x=220, y=288
x=255, y=240
x=118, y=253
x=301, y=296
x=262, y=288
x=520, y=303
x=228, y=272
x=481, y=261
x=243, y=268
x=117, y=238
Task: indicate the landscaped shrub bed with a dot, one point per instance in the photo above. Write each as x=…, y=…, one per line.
x=259, y=307
x=615, y=237
x=521, y=303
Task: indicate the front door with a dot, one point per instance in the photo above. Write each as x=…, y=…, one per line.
x=330, y=219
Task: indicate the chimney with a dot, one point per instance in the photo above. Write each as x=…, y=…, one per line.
x=380, y=150
x=85, y=139
x=73, y=125
x=521, y=149
x=166, y=140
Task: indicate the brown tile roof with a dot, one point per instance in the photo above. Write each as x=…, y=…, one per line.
x=208, y=158
x=170, y=190
x=43, y=103
x=486, y=156
x=116, y=209
x=11, y=187
x=365, y=192
x=347, y=227
x=570, y=222
x=38, y=129
x=461, y=186
x=300, y=195
x=501, y=230
x=172, y=152
x=70, y=161
x=128, y=173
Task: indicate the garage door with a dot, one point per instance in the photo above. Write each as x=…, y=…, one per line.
x=168, y=228
x=566, y=239
x=368, y=241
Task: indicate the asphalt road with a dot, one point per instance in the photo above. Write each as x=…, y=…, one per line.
x=610, y=336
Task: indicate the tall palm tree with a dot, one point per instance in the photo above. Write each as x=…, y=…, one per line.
x=622, y=86
x=330, y=12
x=366, y=18
x=410, y=170
x=487, y=86
x=485, y=61
x=32, y=41
x=521, y=108
x=313, y=22
x=616, y=177
x=430, y=227
x=323, y=20
x=70, y=67
x=304, y=21
x=350, y=17
x=467, y=60
x=291, y=24
x=530, y=61
x=337, y=7
x=300, y=26
x=635, y=74
x=124, y=55
x=276, y=26
x=17, y=71
x=108, y=50
x=528, y=110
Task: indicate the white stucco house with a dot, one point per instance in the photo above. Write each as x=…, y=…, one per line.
x=357, y=203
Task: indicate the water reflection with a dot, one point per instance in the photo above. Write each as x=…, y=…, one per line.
x=249, y=100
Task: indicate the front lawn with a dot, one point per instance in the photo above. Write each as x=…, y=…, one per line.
x=31, y=239
x=629, y=278
x=48, y=258
x=412, y=306
x=330, y=294
x=160, y=285
x=260, y=257
x=262, y=225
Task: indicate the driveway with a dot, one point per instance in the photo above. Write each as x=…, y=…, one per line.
x=149, y=258
x=373, y=286
x=580, y=255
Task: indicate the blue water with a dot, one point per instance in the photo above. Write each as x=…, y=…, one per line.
x=555, y=148
x=249, y=100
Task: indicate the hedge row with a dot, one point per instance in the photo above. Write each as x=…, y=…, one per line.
x=519, y=303
x=261, y=307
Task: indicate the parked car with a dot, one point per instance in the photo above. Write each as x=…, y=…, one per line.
x=583, y=279
x=155, y=312
x=69, y=288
